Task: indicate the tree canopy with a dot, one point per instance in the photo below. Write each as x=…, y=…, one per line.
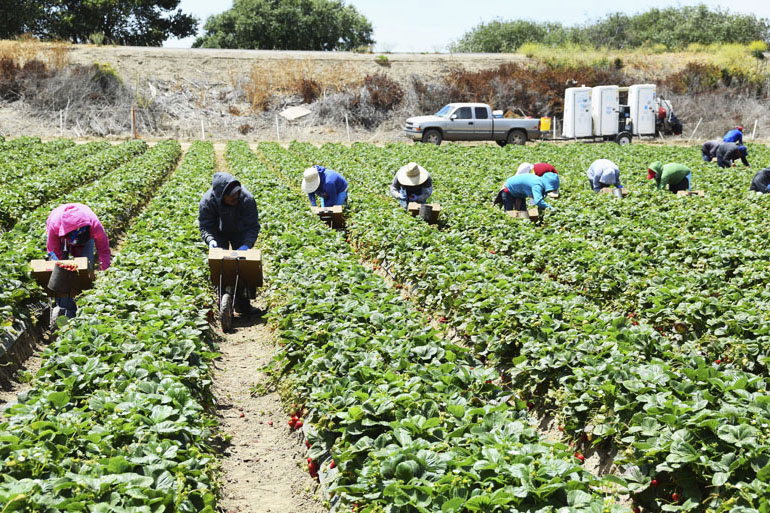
x=287, y=25
x=125, y=22
x=674, y=28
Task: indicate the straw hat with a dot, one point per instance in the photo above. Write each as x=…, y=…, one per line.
x=524, y=168
x=412, y=174
x=310, y=180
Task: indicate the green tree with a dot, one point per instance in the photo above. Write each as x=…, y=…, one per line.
x=507, y=36
x=287, y=25
x=125, y=22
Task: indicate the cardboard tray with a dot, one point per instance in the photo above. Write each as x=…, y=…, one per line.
x=534, y=214
x=331, y=215
x=414, y=208
x=609, y=190
x=700, y=194
x=223, y=262
x=42, y=269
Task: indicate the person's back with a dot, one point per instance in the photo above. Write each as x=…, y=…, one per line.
x=603, y=173
x=709, y=149
x=761, y=181
x=735, y=135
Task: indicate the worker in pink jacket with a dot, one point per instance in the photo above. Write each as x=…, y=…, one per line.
x=75, y=231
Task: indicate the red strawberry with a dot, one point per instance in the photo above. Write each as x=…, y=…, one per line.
x=561, y=428
x=654, y=482
x=442, y=319
x=489, y=381
x=580, y=457
x=675, y=497
x=292, y=423
x=242, y=415
x=298, y=424
x=332, y=464
x=307, y=443
x=718, y=361
x=269, y=422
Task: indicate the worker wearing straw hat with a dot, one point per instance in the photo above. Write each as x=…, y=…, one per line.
x=411, y=183
x=328, y=185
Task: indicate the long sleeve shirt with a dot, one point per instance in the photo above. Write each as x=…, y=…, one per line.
x=219, y=221
x=332, y=184
x=66, y=218
x=603, y=173
x=533, y=186
x=761, y=181
x=709, y=149
x=728, y=152
x=672, y=173
x=733, y=135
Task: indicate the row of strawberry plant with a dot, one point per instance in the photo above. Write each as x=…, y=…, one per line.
x=114, y=199
x=25, y=156
x=116, y=419
x=582, y=370
x=55, y=176
x=413, y=423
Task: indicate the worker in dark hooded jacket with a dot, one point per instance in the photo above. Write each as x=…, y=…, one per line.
x=678, y=177
x=761, y=181
x=735, y=135
x=709, y=150
x=520, y=187
x=727, y=152
x=228, y=218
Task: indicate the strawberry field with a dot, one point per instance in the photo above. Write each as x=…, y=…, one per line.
x=612, y=357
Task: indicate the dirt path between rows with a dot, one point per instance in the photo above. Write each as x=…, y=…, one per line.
x=263, y=467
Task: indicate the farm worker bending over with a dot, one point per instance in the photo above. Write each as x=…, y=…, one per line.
x=761, y=181
x=727, y=152
x=676, y=176
x=228, y=219
x=329, y=185
x=735, y=135
x=709, y=150
x=603, y=173
x=519, y=187
x=542, y=168
x=411, y=183
x=75, y=231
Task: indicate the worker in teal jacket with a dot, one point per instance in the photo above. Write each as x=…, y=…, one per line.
x=520, y=187
x=678, y=177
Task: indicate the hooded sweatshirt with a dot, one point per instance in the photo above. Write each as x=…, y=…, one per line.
x=72, y=216
x=603, y=173
x=734, y=135
x=761, y=181
x=727, y=152
x=672, y=173
x=529, y=185
x=219, y=221
x=709, y=149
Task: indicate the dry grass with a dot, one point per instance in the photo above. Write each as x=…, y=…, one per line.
x=297, y=76
x=27, y=48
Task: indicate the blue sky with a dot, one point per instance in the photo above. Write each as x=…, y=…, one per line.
x=430, y=25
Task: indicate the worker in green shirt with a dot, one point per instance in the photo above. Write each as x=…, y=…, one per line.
x=678, y=177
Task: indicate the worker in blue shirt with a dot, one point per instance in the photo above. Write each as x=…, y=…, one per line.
x=735, y=135
x=520, y=187
x=326, y=184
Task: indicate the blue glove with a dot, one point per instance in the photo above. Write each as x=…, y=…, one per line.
x=243, y=248
x=213, y=244
x=53, y=255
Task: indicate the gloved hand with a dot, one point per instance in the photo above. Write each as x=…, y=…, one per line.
x=412, y=197
x=243, y=248
x=213, y=244
x=53, y=256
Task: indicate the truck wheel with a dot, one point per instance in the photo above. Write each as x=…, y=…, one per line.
x=432, y=136
x=623, y=138
x=501, y=143
x=517, y=137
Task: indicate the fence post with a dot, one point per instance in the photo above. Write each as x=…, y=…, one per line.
x=754, y=132
x=277, y=131
x=695, y=130
x=133, y=121
x=61, y=123
x=203, y=131
x=347, y=126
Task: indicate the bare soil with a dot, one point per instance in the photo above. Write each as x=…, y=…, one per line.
x=263, y=468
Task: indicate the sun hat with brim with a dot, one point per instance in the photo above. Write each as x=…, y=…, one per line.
x=310, y=180
x=412, y=174
x=524, y=168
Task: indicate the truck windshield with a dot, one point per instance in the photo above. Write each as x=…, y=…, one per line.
x=444, y=112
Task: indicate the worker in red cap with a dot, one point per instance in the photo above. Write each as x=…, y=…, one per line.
x=735, y=135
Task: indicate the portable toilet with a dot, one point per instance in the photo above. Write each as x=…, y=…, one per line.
x=641, y=100
x=577, y=112
x=605, y=102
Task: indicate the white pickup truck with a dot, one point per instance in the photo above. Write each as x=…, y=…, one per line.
x=471, y=122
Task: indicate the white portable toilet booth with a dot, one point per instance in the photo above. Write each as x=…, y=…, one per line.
x=605, y=102
x=577, y=112
x=641, y=100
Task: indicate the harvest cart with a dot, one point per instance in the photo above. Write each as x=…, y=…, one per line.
x=64, y=284
x=428, y=211
x=330, y=215
x=231, y=271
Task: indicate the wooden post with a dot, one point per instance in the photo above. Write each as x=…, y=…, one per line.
x=695, y=130
x=347, y=126
x=203, y=130
x=754, y=132
x=133, y=121
x=61, y=123
x=277, y=131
